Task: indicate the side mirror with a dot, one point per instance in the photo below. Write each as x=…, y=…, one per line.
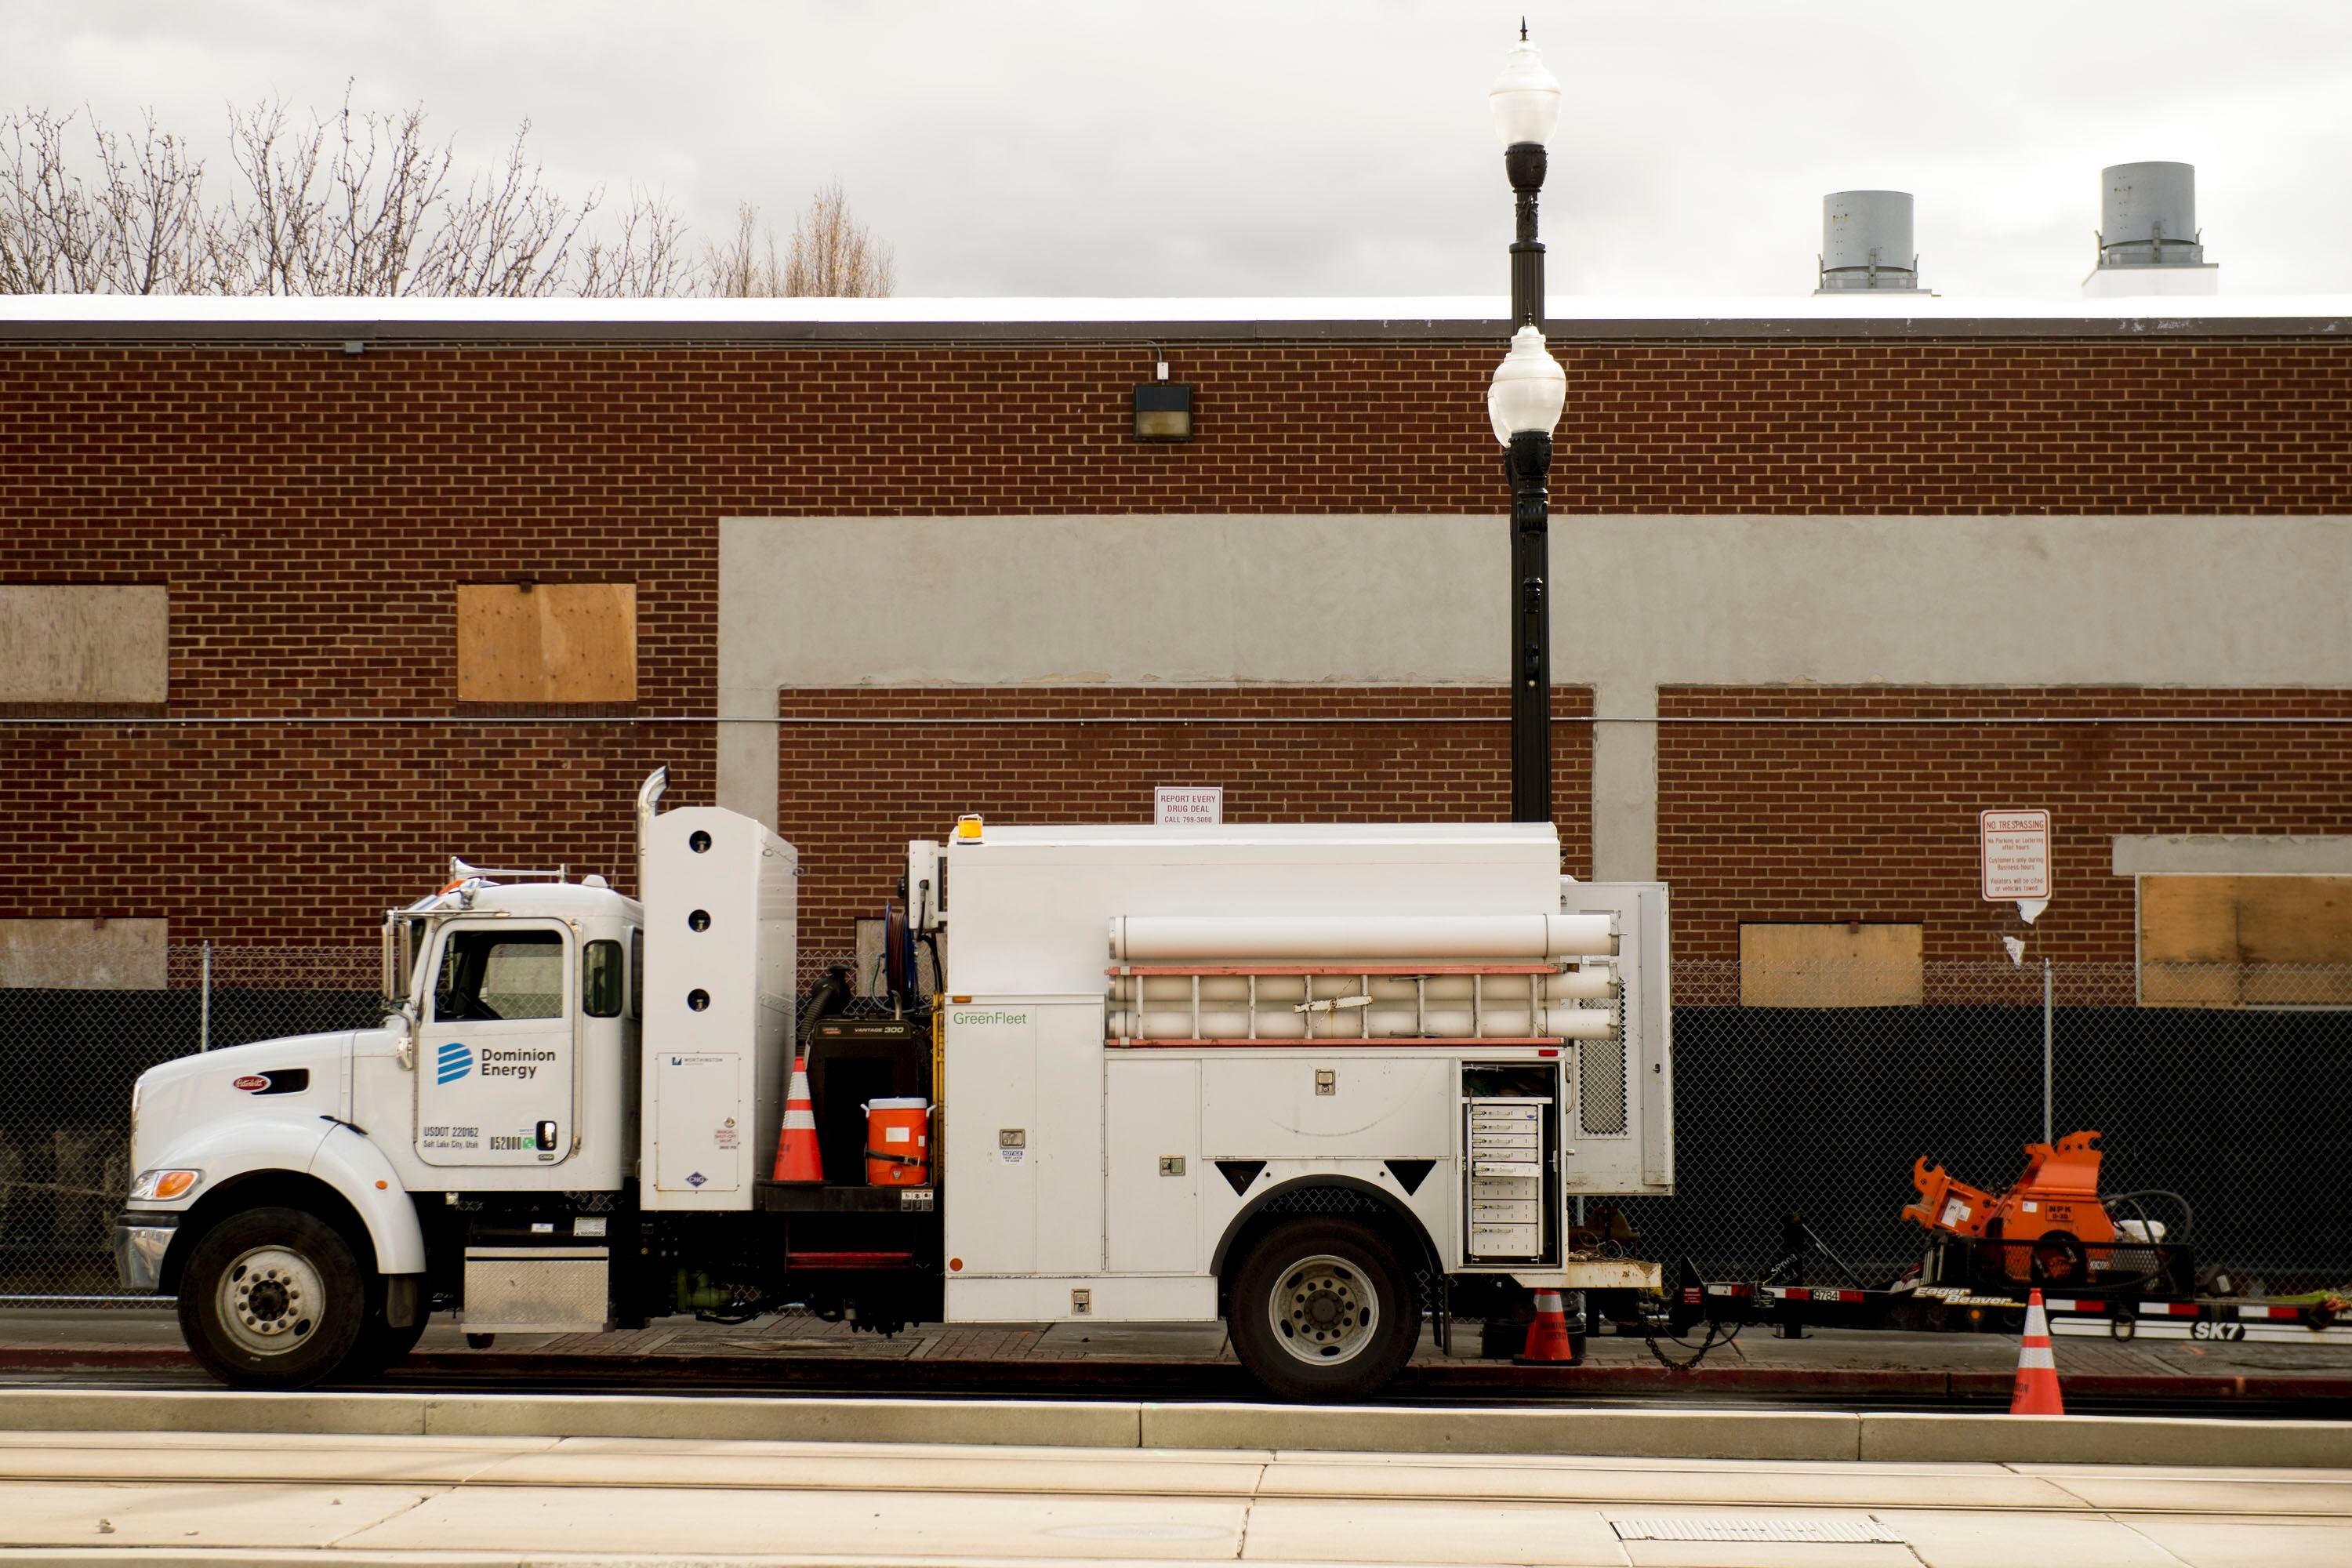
x=404, y=1044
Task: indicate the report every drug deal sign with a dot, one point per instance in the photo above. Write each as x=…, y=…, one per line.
x=2014, y=847
x=1178, y=807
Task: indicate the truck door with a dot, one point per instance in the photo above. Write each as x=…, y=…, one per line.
x=494, y=1069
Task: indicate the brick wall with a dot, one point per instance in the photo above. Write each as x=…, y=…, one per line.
x=306, y=836
x=1822, y=822
x=853, y=795
x=311, y=512
x=1990, y=425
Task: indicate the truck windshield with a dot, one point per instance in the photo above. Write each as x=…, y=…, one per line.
x=493, y=974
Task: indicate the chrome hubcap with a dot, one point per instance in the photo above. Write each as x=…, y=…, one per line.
x=270, y=1300
x=1323, y=1311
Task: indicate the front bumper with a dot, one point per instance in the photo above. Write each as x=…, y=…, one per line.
x=140, y=1240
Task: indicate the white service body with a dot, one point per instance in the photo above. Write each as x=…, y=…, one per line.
x=1082, y=1169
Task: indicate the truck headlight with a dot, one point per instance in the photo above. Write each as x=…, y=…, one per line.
x=162, y=1186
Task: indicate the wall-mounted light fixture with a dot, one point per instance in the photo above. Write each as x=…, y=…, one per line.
x=1163, y=408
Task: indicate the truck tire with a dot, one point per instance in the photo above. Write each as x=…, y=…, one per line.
x=1321, y=1309
x=272, y=1298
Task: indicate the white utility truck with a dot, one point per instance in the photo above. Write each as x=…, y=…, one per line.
x=1320, y=1082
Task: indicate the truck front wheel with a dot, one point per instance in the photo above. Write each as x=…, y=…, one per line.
x=1322, y=1310
x=272, y=1298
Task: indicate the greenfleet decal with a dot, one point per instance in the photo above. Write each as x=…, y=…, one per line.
x=979, y=1016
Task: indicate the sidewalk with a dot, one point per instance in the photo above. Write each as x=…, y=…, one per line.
x=1829, y=1364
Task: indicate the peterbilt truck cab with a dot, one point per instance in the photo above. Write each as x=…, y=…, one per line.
x=284, y=1187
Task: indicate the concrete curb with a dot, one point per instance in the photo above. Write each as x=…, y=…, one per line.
x=1078, y=1424
x=2104, y=1440
x=1500, y=1379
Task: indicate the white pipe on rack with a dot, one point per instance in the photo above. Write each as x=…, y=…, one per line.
x=1391, y=1022
x=1498, y=939
x=1575, y=985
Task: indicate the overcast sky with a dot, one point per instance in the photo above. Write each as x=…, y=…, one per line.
x=1214, y=148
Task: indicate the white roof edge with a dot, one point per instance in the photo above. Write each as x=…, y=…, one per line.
x=128, y=309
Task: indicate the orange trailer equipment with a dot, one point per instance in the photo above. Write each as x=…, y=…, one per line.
x=2050, y=1226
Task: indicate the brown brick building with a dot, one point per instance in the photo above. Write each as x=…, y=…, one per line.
x=331, y=589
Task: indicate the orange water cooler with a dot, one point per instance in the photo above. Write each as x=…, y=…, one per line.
x=897, y=1143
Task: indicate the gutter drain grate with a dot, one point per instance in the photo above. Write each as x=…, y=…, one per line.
x=1752, y=1527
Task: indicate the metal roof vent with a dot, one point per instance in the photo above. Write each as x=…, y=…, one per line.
x=1866, y=243
x=2149, y=238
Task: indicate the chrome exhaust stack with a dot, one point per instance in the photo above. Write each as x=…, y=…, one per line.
x=648, y=794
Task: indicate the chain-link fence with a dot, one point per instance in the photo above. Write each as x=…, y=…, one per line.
x=1810, y=1091
x=1800, y=1090
x=72, y=1055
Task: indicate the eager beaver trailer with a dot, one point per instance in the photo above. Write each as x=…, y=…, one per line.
x=2106, y=1265
x=1316, y=1080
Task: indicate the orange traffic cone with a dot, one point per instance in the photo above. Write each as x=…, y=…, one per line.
x=1549, y=1343
x=797, y=1159
x=2037, y=1374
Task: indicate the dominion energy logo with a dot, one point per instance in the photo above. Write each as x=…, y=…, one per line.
x=457, y=1061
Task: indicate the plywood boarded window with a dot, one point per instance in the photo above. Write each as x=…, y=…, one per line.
x=84, y=643
x=1837, y=965
x=2245, y=942
x=118, y=954
x=547, y=642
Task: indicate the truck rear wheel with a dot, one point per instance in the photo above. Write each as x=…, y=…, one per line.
x=1322, y=1310
x=272, y=1298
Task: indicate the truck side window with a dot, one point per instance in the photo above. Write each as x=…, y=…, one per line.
x=600, y=980
x=637, y=974
x=487, y=975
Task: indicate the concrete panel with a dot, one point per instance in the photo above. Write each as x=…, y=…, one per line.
x=671, y=1528
x=1306, y=1530
x=1689, y=1435
x=1086, y=601
x=1641, y=602
x=1793, y=1484
x=83, y=955
x=2232, y=1541
x=2238, y=854
x=1086, y=1425
x=167, y=1526
x=1983, y=1539
x=84, y=643
x=1625, y=781
x=854, y=1466
x=2102, y=1440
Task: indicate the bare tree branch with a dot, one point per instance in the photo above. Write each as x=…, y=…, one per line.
x=360, y=204
x=143, y=229
x=745, y=266
x=833, y=255
x=647, y=258
x=367, y=203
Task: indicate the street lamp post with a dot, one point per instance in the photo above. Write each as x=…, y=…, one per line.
x=1524, y=403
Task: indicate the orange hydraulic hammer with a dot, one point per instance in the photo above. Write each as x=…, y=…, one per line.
x=2055, y=1202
